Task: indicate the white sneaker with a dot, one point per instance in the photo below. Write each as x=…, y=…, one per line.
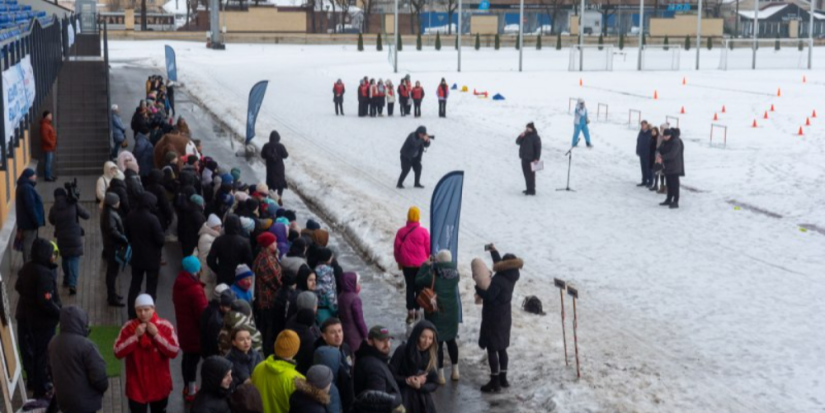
x=455, y=375
x=441, y=380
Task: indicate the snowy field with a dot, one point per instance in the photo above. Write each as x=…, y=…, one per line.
x=710, y=308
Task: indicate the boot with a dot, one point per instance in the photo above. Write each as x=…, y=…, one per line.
x=493, y=386
x=441, y=380
x=663, y=189
x=666, y=203
x=502, y=379
x=455, y=376
x=655, y=186
x=674, y=205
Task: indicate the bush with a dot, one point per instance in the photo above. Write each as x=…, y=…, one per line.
x=776, y=43
x=601, y=42
x=400, y=45
x=667, y=43
x=801, y=46
x=621, y=41
x=418, y=42
x=456, y=41
x=438, y=41
x=478, y=41
x=710, y=43
x=498, y=42
x=644, y=40
x=518, y=41
x=558, y=41
x=538, y=42
x=360, y=42
x=378, y=45
x=687, y=43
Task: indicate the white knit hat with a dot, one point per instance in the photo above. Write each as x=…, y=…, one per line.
x=144, y=300
x=219, y=289
x=444, y=256
x=213, y=221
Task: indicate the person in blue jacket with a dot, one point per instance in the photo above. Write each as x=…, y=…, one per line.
x=29, y=207
x=580, y=122
x=118, y=132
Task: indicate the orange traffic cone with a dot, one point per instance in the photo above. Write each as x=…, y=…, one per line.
x=715, y=117
x=683, y=110
x=778, y=92
x=772, y=107
x=655, y=95
x=800, y=131
x=754, y=123
x=723, y=109
x=684, y=81
x=581, y=83
x=766, y=115
x=807, y=121
x=814, y=115
x=804, y=79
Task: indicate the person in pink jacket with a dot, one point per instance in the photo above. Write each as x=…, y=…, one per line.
x=412, y=248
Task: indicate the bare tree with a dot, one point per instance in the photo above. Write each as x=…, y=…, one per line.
x=552, y=7
x=417, y=6
x=452, y=5
x=608, y=8
x=310, y=5
x=344, y=5
x=369, y=5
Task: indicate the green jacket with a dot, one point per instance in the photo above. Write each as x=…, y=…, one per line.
x=446, y=288
x=275, y=380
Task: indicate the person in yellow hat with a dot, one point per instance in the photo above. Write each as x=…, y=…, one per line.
x=411, y=250
x=275, y=377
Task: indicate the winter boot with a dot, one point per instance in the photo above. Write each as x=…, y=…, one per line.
x=674, y=205
x=666, y=203
x=493, y=386
x=655, y=186
x=502, y=379
x=441, y=380
x=455, y=376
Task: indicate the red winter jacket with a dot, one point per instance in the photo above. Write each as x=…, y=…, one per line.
x=418, y=93
x=48, y=137
x=442, y=92
x=147, y=360
x=412, y=245
x=403, y=91
x=364, y=90
x=190, y=301
x=338, y=89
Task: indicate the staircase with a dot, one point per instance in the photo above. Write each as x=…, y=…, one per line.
x=82, y=119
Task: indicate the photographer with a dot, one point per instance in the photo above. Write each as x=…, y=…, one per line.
x=411, y=154
x=65, y=215
x=529, y=151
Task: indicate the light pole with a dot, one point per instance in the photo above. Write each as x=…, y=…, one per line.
x=459, y=35
x=521, y=33
x=581, y=38
x=699, y=34
x=811, y=36
x=755, y=30
x=641, y=30
x=395, y=47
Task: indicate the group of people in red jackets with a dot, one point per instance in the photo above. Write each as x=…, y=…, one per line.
x=374, y=95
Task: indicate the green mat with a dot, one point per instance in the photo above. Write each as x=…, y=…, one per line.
x=104, y=337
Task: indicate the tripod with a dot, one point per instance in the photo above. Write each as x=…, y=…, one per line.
x=569, y=167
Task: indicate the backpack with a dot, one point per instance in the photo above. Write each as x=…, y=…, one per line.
x=532, y=305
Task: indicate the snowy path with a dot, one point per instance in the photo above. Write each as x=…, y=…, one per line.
x=703, y=309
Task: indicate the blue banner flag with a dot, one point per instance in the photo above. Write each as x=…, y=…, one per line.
x=445, y=212
x=256, y=98
x=171, y=64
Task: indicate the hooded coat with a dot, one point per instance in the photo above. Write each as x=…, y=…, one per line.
x=118, y=187
x=331, y=357
x=212, y=397
x=303, y=324
x=163, y=210
x=147, y=360
x=206, y=237
x=243, y=364
x=372, y=372
x=126, y=160
x=673, y=156
x=274, y=154
x=408, y=361
x=286, y=306
x=78, y=369
x=309, y=399
x=134, y=187
x=112, y=230
x=275, y=380
x=190, y=302
x=38, y=305
x=351, y=312
x=65, y=216
x=144, y=152
x=102, y=183
x=232, y=320
x=145, y=234
x=496, y=313
x=282, y=236
x=28, y=204
x=446, y=289
x=412, y=245
x=228, y=251
x=211, y=324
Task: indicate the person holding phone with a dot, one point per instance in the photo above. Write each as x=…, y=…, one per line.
x=411, y=154
x=414, y=365
x=529, y=151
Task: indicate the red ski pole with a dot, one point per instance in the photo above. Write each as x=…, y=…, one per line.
x=573, y=292
x=561, y=286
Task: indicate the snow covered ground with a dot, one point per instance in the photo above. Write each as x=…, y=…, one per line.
x=710, y=308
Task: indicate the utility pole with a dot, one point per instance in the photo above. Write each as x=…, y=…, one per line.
x=699, y=33
x=521, y=33
x=214, y=25
x=395, y=47
x=755, y=30
x=811, y=36
x=581, y=37
x=641, y=30
x=459, y=35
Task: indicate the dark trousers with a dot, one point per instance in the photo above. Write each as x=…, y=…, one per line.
x=406, y=164
x=137, y=283
x=403, y=106
x=362, y=107
x=417, y=104
x=452, y=350
x=672, y=181
x=529, y=175
x=379, y=102
x=156, y=407
x=498, y=361
x=647, y=172
x=442, y=108
x=189, y=367
x=266, y=326
x=112, y=269
x=373, y=107
x=409, y=279
x=339, y=103
x=34, y=349
x=390, y=106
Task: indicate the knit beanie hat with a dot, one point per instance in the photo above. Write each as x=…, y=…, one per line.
x=170, y=156
x=213, y=221
x=219, y=289
x=287, y=345
x=307, y=300
x=236, y=174
x=262, y=188
x=319, y=376
x=111, y=199
x=248, y=224
x=227, y=298
x=227, y=179
x=241, y=306
x=191, y=264
x=290, y=215
x=414, y=214
x=324, y=255
x=242, y=272
x=144, y=300
x=313, y=225
x=266, y=239
x=444, y=256
x=196, y=199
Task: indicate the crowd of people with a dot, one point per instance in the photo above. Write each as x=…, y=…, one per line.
x=661, y=157
x=374, y=95
x=261, y=303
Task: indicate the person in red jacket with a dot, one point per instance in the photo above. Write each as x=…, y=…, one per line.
x=403, y=97
x=373, y=98
x=443, y=91
x=363, y=98
x=48, y=143
x=338, y=96
x=417, y=95
x=147, y=343
x=190, y=302
x=411, y=250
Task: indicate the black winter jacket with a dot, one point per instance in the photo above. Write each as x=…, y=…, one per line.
x=145, y=235
x=374, y=401
x=29, y=206
x=212, y=398
x=78, y=369
x=112, y=231
x=118, y=187
x=65, y=216
x=243, y=364
x=408, y=361
x=39, y=303
x=229, y=250
x=413, y=146
x=529, y=147
x=304, y=325
x=308, y=399
x=372, y=372
x=163, y=209
x=286, y=306
x=274, y=154
x=673, y=156
x=496, y=313
x=643, y=144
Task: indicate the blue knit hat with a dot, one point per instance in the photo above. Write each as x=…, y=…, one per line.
x=191, y=264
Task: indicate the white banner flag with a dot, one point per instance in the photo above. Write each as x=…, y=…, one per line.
x=18, y=94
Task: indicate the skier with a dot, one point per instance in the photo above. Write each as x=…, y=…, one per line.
x=442, y=92
x=338, y=96
x=529, y=151
x=411, y=154
x=580, y=122
x=417, y=96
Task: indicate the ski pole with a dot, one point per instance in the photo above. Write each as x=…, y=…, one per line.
x=561, y=285
x=573, y=292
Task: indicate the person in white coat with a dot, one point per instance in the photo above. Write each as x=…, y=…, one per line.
x=110, y=171
x=390, y=97
x=210, y=230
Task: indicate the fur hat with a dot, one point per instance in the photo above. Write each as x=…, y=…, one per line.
x=444, y=256
x=287, y=345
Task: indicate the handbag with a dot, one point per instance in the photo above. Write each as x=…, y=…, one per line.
x=427, y=299
x=123, y=256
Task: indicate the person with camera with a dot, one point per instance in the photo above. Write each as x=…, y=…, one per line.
x=65, y=215
x=671, y=158
x=529, y=151
x=411, y=154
